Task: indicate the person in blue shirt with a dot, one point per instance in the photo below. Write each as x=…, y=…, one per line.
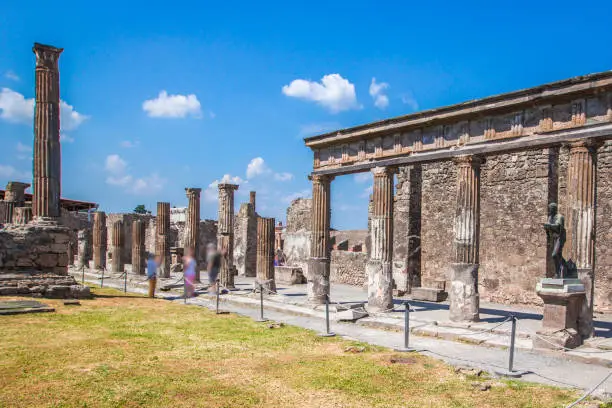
x=152, y=265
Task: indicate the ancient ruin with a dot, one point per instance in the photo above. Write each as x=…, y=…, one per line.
x=225, y=234
x=138, y=248
x=99, y=240
x=117, y=264
x=162, y=247
x=265, y=253
x=192, y=224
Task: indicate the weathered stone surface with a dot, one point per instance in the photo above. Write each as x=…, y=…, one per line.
x=289, y=275
x=83, y=248
x=348, y=268
x=297, y=236
x=245, y=240
x=99, y=240
x=225, y=234
x=428, y=294
x=117, y=238
x=463, y=294
x=603, y=232
x=265, y=253
x=318, y=278
x=138, y=248
x=162, y=245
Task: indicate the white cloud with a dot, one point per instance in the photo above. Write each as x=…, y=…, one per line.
x=69, y=118
x=120, y=177
x=283, y=176
x=172, y=106
x=14, y=107
x=333, y=92
x=211, y=193
x=65, y=138
x=119, y=180
x=12, y=76
x=148, y=185
x=377, y=92
x=128, y=144
x=363, y=177
x=366, y=193
x=299, y=194
x=115, y=164
x=409, y=100
x=12, y=174
x=256, y=167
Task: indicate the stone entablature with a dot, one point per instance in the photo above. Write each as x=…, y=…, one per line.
x=574, y=103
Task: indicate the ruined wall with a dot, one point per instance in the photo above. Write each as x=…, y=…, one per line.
x=348, y=268
x=437, y=220
x=127, y=218
x=297, y=233
x=354, y=237
x=514, y=196
x=603, y=230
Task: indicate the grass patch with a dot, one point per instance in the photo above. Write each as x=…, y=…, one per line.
x=130, y=351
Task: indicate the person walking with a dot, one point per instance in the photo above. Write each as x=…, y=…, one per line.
x=152, y=264
x=189, y=266
x=213, y=265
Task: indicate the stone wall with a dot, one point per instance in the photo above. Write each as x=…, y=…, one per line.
x=513, y=206
x=297, y=233
x=603, y=230
x=348, y=268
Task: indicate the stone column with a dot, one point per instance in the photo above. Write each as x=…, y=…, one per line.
x=265, y=253
x=225, y=234
x=117, y=246
x=278, y=236
x=14, y=196
x=318, y=265
x=252, y=200
x=47, y=153
x=379, y=267
x=22, y=215
x=162, y=246
x=192, y=225
x=99, y=240
x=463, y=296
x=138, y=247
x=581, y=174
x=83, y=245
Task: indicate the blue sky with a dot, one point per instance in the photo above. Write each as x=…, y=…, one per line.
x=161, y=96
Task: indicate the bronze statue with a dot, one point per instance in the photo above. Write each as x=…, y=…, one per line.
x=555, y=234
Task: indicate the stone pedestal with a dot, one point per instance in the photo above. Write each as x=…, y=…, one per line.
x=566, y=319
x=463, y=295
x=317, y=285
x=380, y=285
x=289, y=275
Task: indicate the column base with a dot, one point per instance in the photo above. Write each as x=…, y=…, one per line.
x=380, y=286
x=317, y=280
x=463, y=295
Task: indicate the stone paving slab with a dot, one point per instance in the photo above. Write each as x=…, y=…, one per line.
x=14, y=307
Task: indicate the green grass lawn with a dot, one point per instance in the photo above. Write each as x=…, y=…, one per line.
x=118, y=350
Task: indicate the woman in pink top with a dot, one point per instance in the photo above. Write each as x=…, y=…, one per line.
x=189, y=268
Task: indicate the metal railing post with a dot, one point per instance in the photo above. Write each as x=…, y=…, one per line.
x=327, y=333
x=511, y=372
x=261, y=314
x=102, y=279
x=217, y=309
x=406, y=347
x=124, y=282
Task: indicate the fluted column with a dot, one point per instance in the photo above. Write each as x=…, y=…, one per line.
x=463, y=296
x=83, y=248
x=225, y=233
x=192, y=225
x=47, y=153
x=22, y=215
x=138, y=247
x=581, y=182
x=379, y=267
x=162, y=246
x=99, y=240
x=14, y=196
x=117, y=246
x=265, y=252
x=318, y=265
x=252, y=200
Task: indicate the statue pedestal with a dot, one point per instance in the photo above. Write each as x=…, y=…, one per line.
x=565, y=323
x=463, y=294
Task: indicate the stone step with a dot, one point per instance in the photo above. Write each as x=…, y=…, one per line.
x=428, y=294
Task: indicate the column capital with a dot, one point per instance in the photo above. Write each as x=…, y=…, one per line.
x=383, y=171
x=47, y=56
x=192, y=191
x=584, y=145
x=228, y=186
x=320, y=178
x=468, y=160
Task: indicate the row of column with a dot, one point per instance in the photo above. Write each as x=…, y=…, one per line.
x=463, y=294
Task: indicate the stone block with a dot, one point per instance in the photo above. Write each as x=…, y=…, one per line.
x=350, y=315
x=80, y=292
x=289, y=275
x=428, y=294
x=57, y=291
x=463, y=294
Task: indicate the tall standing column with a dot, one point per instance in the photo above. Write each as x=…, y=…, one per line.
x=162, y=246
x=379, y=267
x=265, y=253
x=138, y=247
x=47, y=153
x=318, y=265
x=117, y=246
x=463, y=296
x=14, y=196
x=192, y=225
x=225, y=234
x=99, y=240
x=581, y=182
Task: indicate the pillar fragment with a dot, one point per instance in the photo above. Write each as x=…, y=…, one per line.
x=138, y=247
x=463, y=296
x=265, y=253
x=252, y=200
x=225, y=234
x=14, y=196
x=379, y=267
x=117, y=246
x=192, y=225
x=47, y=153
x=83, y=246
x=318, y=266
x=99, y=240
x=162, y=246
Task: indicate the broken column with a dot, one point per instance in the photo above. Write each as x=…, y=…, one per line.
x=47, y=153
x=83, y=248
x=116, y=246
x=22, y=215
x=138, y=247
x=252, y=200
x=225, y=234
x=192, y=225
x=245, y=240
x=379, y=267
x=265, y=253
x=162, y=246
x=99, y=240
x=463, y=296
x=14, y=196
x=581, y=174
x=318, y=265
